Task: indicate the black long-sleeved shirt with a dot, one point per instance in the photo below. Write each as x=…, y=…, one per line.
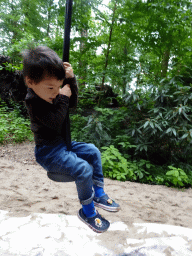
x=49, y=121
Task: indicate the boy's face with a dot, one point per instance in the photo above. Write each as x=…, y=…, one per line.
x=47, y=89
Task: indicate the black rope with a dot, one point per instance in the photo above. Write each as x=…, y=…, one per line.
x=66, y=47
x=66, y=44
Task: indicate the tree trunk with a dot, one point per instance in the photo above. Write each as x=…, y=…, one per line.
x=165, y=61
x=50, y=2
x=125, y=70
x=14, y=24
x=82, y=63
x=108, y=50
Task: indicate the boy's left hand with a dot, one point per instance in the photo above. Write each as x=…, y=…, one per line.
x=68, y=70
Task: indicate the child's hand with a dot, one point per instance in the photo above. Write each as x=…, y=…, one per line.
x=68, y=70
x=66, y=90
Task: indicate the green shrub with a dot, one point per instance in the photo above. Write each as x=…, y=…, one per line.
x=115, y=166
x=78, y=122
x=10, y=67
x=177, y=176
x=118, y=167
x=86, y=98
x=13, y=127
x=96, y=132
x=161, y=129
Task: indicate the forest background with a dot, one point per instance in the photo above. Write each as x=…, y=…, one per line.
x=145, y=132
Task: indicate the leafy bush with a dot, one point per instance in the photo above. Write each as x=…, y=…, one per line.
x=10, y=67
x=13, y=127
x=103, y=127
x=86, y=97
x=96, y=132
x=115, y=166
x=12, y=86
x=78, y=122
x=177, y=176
x=163, y=133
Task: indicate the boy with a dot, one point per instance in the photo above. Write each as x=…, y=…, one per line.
x=47, y=104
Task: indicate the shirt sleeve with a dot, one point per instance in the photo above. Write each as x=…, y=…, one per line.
x=74, y=90
x=53, y=115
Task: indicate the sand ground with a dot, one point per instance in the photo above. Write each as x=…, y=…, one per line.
x=25, y=188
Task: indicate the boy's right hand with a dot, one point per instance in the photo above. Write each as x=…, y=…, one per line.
x=66, y=90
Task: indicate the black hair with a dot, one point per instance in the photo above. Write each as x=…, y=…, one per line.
x=40, y=62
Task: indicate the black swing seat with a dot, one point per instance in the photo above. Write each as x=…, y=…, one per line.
x=59, y=177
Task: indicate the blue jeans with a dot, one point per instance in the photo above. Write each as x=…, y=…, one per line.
x=82, y=163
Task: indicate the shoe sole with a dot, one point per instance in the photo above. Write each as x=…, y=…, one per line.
x=95, y=230
x=107, y=208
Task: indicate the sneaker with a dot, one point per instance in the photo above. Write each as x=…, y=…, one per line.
x=106, y=203
x=96, y=223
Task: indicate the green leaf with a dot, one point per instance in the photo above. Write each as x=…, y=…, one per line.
x=104, y=147
x=133, y=132
x=103, y=160
x=185, y=115
x=184, y=136
x=158, y=127
x=172, y=167
x=173, y=173
x=180, y=110
x=138, y=106
x=152, y=125
x=145, y=125
x=168, y=130
x=100, y=126
x=174, y=132
x=110, y=162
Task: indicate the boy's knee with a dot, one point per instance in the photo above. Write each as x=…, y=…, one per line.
x=94, y=149
x=84, y=172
